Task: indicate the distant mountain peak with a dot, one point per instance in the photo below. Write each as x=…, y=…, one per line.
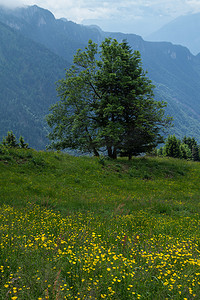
x=35, y=14
x=184, y=30
x=95, y=27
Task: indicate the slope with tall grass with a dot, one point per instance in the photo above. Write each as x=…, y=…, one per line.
x=88, y=228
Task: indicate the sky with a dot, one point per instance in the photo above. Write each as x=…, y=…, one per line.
x=141, y=17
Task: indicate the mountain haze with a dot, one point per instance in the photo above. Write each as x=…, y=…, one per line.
x=183, y=30
x=173, y=69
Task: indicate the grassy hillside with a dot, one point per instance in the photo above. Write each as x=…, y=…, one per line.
x=87, y=228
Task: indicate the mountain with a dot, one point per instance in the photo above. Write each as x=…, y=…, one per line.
x=61, y=36
x=173, y=69
x=27, y=77
x=183, y=30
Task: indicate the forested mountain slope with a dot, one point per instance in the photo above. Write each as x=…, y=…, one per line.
x=27, y=89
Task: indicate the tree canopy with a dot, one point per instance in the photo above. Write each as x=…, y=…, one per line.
x=187, y=148
x=107, y=103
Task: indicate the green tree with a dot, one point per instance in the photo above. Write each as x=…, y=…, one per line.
x=107, y=103
x=192, y=144
x=195, y=153
x=185, y=151
x=160, y=152
x=172, y=147
x=10, y=140
x=73, y=118
x=22, y=144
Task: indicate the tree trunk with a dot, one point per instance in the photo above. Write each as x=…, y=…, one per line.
x=114, y=153
x=129, y=156
x=109, y=149
x=96, y=153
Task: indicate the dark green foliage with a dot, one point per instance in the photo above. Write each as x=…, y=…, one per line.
x=107, y=104
x=172, y=147
x=196, y=153
x=160, y=151
x=193, y=146
x=101, y=160
x=190, y=142
x=10, y=140
x=22, y=144
x=186, y=149
x=2, y=149
x=38, y=161
x=130, y=118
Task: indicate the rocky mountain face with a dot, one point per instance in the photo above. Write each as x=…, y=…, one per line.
x=173, y=69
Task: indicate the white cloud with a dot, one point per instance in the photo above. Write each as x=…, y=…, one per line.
x=117, y=13
x=76, y=9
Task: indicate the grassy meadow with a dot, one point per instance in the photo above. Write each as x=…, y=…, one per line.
x=93, y=228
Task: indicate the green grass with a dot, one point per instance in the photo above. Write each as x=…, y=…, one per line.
x=88, y=228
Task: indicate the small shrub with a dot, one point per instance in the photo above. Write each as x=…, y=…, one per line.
x=37, y=161
x=146, y=176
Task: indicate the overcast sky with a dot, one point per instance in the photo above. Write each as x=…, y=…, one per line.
x=129, y=16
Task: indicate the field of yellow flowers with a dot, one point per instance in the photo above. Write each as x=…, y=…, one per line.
x=87, y=228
